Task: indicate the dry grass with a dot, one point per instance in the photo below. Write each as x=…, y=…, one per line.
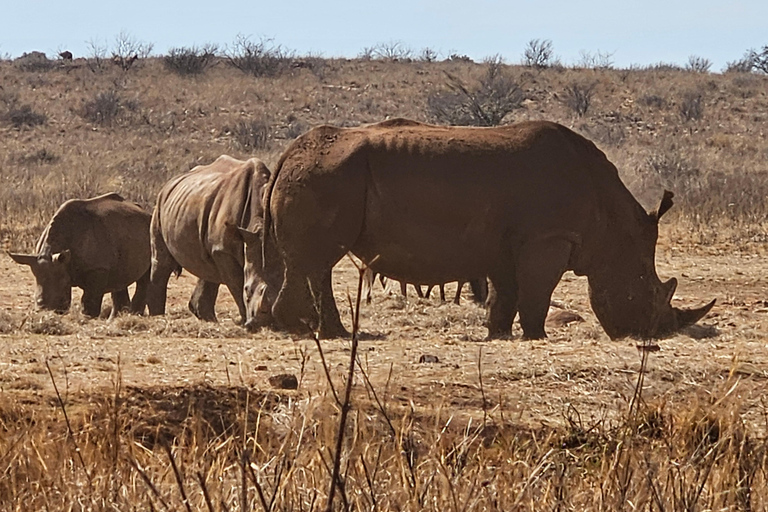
x=132, y=130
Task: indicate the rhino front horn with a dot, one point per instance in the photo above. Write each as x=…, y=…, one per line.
x=686, y=317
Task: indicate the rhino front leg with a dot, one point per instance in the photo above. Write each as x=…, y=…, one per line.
x=540, y=266
x=202, y=304
x=502, y=304
x=330, y=321
x=91, y=302
x=232, y=272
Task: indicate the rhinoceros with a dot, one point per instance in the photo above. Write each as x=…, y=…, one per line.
x=195, y=226
x=520, y=204
x=100, y=245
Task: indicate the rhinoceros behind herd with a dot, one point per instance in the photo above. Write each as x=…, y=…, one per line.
x=519, y=204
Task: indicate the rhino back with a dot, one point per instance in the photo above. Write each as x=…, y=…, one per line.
x=105, y=233
x=445, y=203
x=198, y=212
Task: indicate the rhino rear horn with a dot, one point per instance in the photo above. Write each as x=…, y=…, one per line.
x=24, y=259
x=687, y=317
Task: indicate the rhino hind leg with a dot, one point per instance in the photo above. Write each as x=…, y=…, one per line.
x=120, y=302
x=232, y=272
x=202, y=304
x=539, y=268
x=163, y=265
x=91, y=302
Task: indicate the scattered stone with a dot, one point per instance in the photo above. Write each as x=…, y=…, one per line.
x=260, y=368
x=426, y=358
x=284, y=381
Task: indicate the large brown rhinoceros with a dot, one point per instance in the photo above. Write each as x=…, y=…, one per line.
x=520, y=204
x=195, y=226
x=100, y=245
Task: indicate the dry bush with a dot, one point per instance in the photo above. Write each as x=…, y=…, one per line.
x=127, y=50
x=698, y=64
x=578, y=96
x=393, y=51
x=48, y=323
x=108, y=108
x=597, y=60
x=190, y=61
x=7, y=323
x=23, y=116
x=259, y=59
x=691, y=107
x=538, y=53
x=487, y=104
x=34, y=62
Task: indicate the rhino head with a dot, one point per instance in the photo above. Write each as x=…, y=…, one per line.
x=261, y=283
x=54, y=285
x=627, y=295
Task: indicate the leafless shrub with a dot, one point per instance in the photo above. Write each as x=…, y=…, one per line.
x=295, y=128
x=127, y=50
x=23, y=116
x=259, y=59
x=34, y=61
x=760, y=59
x=538, y=53
x=579, y=96
x=495, y=96
x=251, y=135
x=427, y=55
x=691, y=108
x=190, y=61
x=97, y=56
x=392, y=51
x=104, y=108
x=7, y=323
x=459, y=57
x=597, y=60
x=698, y=64
x=743, y=65
x=47, y=323
x=662, y=66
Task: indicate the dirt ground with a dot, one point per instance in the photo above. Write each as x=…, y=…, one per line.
x=577, y=374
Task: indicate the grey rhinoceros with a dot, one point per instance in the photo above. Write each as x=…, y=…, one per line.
x=520, y=204
x=100, y=245
x=195, y=226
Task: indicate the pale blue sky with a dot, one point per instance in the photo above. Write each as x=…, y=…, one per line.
x=634, y=31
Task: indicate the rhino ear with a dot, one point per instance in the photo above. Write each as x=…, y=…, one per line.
x=250, y=237
x=24, y=259
x=665, y=204
x=62, y=257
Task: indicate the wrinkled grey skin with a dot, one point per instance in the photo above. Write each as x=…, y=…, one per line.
x=100, y=245
x=197, y=225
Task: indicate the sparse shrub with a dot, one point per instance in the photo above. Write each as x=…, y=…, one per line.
x=392, y=51
x=744, y=65
x=691, y=108
x=457, y=57
x=295, y=128
x=760, y=60
x=496, y=95
x=597, y=60
x=427, y=55
x=190, y=61
x=260, y=59
x=103, y=109
x=698, y=64
x=579, y=97
x=34, y=61
x=22, y=116
x=7, y=324
x=127, y=50
x=538, y=53
x=251, y=135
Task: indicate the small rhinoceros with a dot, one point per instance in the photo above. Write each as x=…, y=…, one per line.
x=100, y=245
